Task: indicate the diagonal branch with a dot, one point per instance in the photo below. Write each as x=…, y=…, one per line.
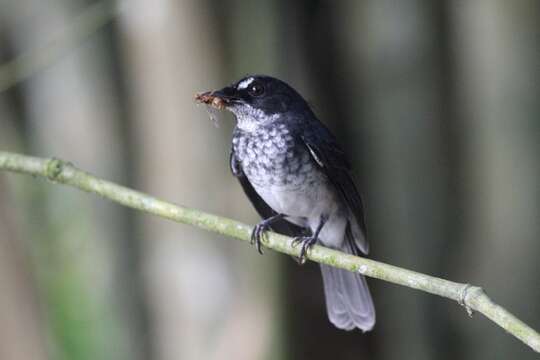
x=472, y=298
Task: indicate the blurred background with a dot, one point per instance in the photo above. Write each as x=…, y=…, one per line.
x=435, y=101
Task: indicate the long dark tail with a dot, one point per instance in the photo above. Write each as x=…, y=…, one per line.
x=348, y=301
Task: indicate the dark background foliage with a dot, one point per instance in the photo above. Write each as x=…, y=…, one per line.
x=435, y=101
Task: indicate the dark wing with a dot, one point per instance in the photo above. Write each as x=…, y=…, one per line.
x=282, y=226
x=332, y=161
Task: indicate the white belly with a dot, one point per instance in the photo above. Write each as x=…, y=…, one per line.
x=309, y=201
x=304, y=208
x=293, y=202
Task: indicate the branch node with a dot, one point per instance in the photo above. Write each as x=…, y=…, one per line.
x=463, y=299
x=54, y=168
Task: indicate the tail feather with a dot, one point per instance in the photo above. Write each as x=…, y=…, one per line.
x=348, y=300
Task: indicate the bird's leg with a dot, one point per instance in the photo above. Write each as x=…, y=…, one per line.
x=260, y=228
x=308, y=241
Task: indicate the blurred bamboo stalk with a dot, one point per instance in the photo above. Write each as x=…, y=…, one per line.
x=90, y=303
x=497, y=53
x=21, y=333
x=169, y=49
x=472, y=298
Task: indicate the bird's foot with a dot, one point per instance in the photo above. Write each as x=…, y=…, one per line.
x=257, y=234
x=260, y=229
x=307, y=242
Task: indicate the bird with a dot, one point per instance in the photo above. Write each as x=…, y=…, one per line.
x=299, y=180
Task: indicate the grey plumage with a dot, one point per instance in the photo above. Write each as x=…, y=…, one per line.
x=299, y=181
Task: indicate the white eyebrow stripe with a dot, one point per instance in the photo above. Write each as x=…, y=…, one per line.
x=245, y=83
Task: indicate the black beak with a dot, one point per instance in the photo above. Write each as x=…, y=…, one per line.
x=228, y=95
x=219, y=99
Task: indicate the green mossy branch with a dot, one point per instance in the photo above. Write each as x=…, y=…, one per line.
x=472, y=298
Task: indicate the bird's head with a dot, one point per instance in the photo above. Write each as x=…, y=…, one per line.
x=255, y=100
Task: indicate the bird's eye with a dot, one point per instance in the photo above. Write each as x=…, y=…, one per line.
x=256, y=89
